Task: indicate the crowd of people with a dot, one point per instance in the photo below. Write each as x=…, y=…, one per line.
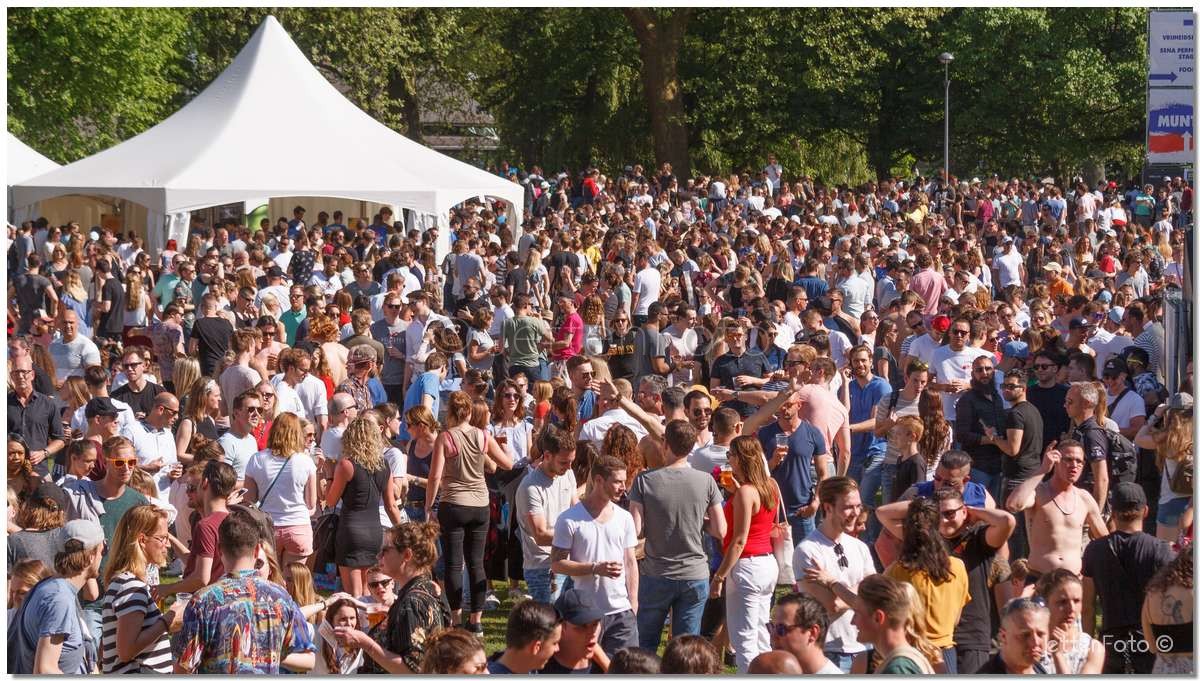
x=915, y=426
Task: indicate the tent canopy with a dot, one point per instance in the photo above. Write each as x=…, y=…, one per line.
x=24, y=162
x=271, y=125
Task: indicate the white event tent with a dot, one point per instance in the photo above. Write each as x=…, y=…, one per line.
x=271, y=125
x=23, y=163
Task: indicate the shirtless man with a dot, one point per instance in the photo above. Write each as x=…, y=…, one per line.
x=1056, y=511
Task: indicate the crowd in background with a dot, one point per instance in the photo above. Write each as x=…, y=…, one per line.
x=914, y=426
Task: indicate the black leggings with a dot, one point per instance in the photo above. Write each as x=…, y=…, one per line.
x=464, y=527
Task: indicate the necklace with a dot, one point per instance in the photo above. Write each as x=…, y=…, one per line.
x=1061, y=509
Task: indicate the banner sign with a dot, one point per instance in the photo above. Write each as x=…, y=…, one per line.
x=1172, y=45
x=1170, y=128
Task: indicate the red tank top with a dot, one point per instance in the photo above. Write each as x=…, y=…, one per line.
x=758, y=541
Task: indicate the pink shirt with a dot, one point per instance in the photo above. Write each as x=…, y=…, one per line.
x=573, y=326
x=931, y=286
x=824, y=411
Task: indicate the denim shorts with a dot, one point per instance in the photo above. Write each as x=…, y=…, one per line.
x=1169, y=512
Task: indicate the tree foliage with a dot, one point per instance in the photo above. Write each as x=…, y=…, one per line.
x=83, y=79
x=843, y=93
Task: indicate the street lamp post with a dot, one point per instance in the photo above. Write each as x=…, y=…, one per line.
x=945, y=58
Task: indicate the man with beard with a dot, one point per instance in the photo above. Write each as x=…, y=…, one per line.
x=594, y=543
x=980, y=410
x=542, y=495
x=973, y=535
x=867, y=450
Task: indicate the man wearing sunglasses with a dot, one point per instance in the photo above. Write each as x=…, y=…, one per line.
x=952, y=365
x=155, y=443
x=799, y=625
x=238, y=443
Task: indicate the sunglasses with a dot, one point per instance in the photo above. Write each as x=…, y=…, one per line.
x=918, y=325
x=701, y=412
x=394, y=307
x=843, y=561
x=780, y=630
x=1043, y=366
x=380, y=583
x=123, y=463
x=961, y=332
x=949, y=513
x=1011, y=386
x=253, y=410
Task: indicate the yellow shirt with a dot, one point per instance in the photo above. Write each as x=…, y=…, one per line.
x=943, y=602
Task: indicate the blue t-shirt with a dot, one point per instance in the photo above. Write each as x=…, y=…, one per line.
x=974, y=494
x=815, y=287
x=425, y=384
x=587, y=406
x=796, y=472
x=378, y=394
x=862, y=408
x=51, y=609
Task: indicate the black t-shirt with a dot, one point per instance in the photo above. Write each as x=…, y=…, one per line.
x=553, y=666
x=113, y=321
x=1095, y=448
x=32, y=292
x=622, y=363
x=212, y=336
x=140, y=402
x=1121, y=565
x=908, y=473
x=974, y=630
x=1024, y=417
x=1049, y=403
x=728, y=366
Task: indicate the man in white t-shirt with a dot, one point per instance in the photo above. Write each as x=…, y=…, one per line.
x=302, y=387
x=647, y=285
x=1010, y=264
x=830, y=563
x=155, y=443
x=1108, y=339
x=594, y=544
x=950, y=366
x=72, y=352
x=1125, y=406
x=545, y=492
x=681, y=334
x=238, y=444
x=342, y=409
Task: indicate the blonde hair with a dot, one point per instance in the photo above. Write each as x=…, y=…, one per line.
x=287, y=435
x=74, y=286
x=1173, y=435
x=197, y=398
x=133, y=292
x=542, y=391
x=900, y=603
x=299, y=583
x=363, y=444
x=185, y=374
x=125, y=552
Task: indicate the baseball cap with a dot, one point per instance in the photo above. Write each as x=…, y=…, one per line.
x=100, y=406
x=1135, y=355
x=1079, y=323
x=1015, y=349
x=578, y=607
x=1052, y=267
x=1007, y=239
x=1180, y=401
x=48, y=491
x=274, y=272
x=940, y=323
x=1114, y=366
x=87, y=532
x=1116, y=314
x=1128, y=496
x=362, y=353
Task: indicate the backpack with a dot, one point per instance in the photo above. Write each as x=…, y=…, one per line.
x=1182, y=481
x=1122, y=457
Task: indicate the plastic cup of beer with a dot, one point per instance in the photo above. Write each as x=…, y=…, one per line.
x=781, y=441
x=727, y=478
x=376, y=613
x=502, y=438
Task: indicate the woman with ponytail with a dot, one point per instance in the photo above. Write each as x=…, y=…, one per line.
x=939, y=578
x=748, y=563
x=889, y=615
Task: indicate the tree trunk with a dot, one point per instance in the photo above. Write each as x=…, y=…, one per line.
x=1093, y=172
x=401, y=88
x=660, y=34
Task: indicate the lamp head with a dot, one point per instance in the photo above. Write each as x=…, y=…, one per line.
x=945, y=58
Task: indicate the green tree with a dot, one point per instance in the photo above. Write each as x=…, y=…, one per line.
x=384, y=59
x=1047, y=89
x=81, y=79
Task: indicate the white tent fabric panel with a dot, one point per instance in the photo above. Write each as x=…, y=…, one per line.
x=273, y=102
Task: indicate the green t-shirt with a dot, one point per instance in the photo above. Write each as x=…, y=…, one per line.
x=114, y=510
x=521, y=338
x=901, y=665
x=165, y=290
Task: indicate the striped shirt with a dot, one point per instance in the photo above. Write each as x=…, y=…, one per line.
x=126, y=594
